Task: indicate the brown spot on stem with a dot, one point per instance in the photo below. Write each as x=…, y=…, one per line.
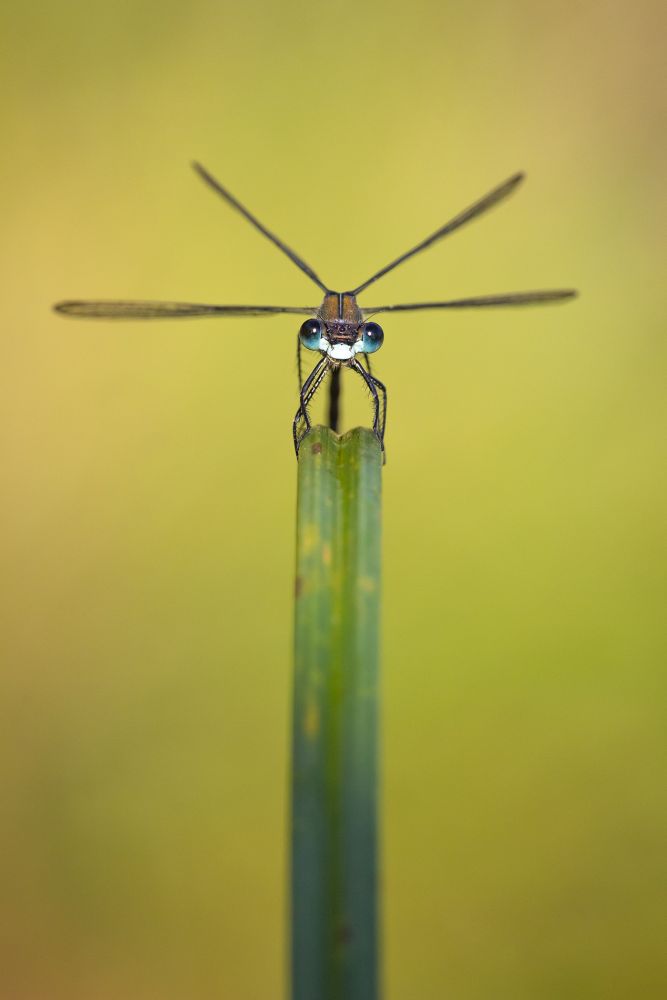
x=311, y=722
x=343, y=934
x=298, y=586
x=316, y=448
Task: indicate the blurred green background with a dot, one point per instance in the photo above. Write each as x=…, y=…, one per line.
x=149, y=489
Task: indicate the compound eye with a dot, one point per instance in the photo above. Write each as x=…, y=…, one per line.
x=372, y=336
x=310, y=334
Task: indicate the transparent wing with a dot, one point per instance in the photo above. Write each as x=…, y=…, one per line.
x=254, y=221
x=482, y=301
x=167, y=310
x=478, y=208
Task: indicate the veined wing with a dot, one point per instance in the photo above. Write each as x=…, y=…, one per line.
x=103, y=309
x=481, y=301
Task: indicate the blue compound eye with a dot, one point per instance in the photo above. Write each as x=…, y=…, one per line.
x=310, y=334
x=372, y=336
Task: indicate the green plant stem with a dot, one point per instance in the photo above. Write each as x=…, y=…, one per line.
x=335, y=720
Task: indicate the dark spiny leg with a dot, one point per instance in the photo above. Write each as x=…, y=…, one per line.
x=308, y=390
x=334, y=398
x=303, y=397
x=370, y=382
x=299, y=366
x=383, y=389
x=299, y=369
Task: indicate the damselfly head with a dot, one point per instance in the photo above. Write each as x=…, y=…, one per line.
x=339, y=331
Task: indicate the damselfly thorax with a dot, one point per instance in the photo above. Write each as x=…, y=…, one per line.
x=339, y=330
x=342, y=319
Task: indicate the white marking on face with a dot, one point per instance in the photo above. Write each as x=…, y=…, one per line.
x=341, y=352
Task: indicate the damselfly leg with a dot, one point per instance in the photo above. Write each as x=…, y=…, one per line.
x=383, y=390
x=308, y=390
x=373, y=386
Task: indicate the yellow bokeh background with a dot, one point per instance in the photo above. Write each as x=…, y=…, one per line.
x=149, y=489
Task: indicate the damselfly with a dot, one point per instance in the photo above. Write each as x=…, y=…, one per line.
x=340, y=330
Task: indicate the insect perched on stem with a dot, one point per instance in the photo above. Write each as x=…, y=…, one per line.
x=339, y=330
